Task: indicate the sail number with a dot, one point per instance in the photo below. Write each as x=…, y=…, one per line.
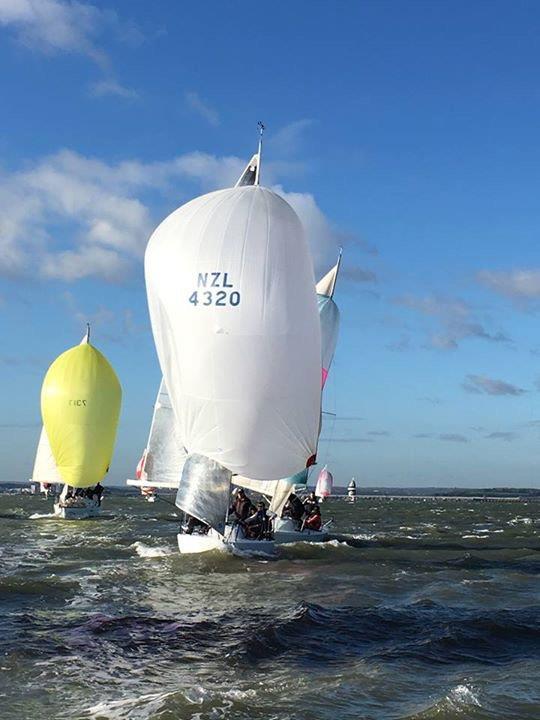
x=214, y=288
x=78, y=402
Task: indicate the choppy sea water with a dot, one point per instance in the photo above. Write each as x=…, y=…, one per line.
x=417, y=610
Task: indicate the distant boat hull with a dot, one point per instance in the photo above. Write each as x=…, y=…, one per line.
x=88, y=510
x=285, y=531
x=195, y=543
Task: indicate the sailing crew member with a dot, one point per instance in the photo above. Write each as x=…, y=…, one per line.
x=294, y=509
x=310, y=503
x=98, y=490
x=257, y=524
x=242, y=506
x=314, y=520
x=192, y=523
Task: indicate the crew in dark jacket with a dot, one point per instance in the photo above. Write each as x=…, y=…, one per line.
x=242, y=506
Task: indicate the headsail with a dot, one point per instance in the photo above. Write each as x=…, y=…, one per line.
x=204, y=490
x=249, y=175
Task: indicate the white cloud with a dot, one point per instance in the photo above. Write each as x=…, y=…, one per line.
x=480, y=384
x=86, y=261
x=323, y=238
x=517, y=284
x=69, y=26
x=55, y=26
x=108, y=87
x=202, y=108
x=456, y=318
x=288, y=139
x=117, y=326
x=68, y=216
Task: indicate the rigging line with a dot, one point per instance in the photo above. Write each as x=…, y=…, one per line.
x=328, y=449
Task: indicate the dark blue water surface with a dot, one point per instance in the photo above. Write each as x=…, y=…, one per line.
x=415, y=610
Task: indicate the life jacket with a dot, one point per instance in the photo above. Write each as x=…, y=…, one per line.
x=314, y=522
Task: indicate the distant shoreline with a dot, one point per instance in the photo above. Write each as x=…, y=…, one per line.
x=477, y=494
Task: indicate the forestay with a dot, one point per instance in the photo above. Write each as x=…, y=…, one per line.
x=234, y=316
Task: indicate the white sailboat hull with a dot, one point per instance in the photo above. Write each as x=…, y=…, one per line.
x=88, y=510
x=285, y=531
x=233, y=542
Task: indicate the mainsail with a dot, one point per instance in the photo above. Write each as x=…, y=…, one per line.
x=80, y=405
x=45, y=470
x=164, y=456
x=234, y=315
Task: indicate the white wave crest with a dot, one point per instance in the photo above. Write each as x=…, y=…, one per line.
x=149, y=551
x=462, y=695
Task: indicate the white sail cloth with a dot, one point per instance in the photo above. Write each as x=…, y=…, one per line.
x=165, y=455
x=279, y=490
x=234, y=315
x=325, y=483
x=45, y=470
x=329, y=317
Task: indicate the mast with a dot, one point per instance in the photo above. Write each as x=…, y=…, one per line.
x=262, y=128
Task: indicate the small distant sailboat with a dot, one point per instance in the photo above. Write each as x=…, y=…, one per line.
x=325, y=483
x=80, y=405
x=234, y=315
x=351, y=491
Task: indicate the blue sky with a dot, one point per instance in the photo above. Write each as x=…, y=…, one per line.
x=405, y=131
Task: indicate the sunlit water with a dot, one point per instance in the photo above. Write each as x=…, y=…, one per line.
x=417, y=610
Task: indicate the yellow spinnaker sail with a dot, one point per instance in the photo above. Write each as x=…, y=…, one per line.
x=80, y=405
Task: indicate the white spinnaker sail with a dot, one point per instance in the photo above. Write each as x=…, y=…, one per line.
x=165, y=455
x=167, y=427
x=279, y=490
x=45, y=470
x=234, y=315
x=325, y=483
x=329, y=317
